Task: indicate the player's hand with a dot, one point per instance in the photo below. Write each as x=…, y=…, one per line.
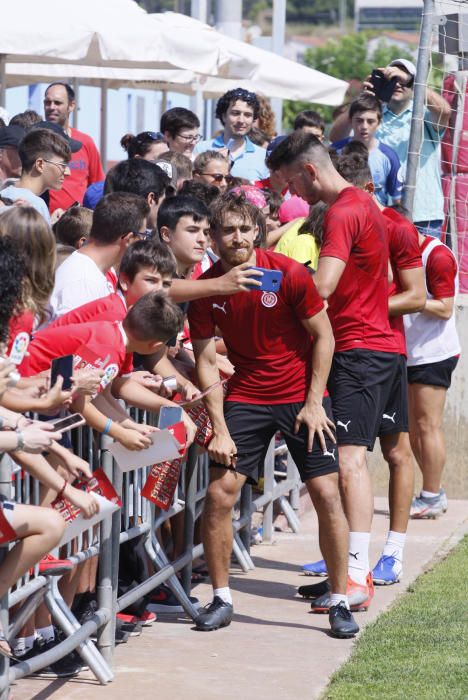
x=190, y=392
x=314, y=417
x=237, y=279
x=86, y=502
x=133, y=440
x=55, y=398
x=87, y=381
x=222, y=450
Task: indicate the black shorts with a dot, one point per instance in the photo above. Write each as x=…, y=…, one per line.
x=360, y=386
x=433, y=373
x=395, y=417
x=252, y=427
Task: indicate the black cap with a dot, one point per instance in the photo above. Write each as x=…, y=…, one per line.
x=73, y=143
x=11, y=136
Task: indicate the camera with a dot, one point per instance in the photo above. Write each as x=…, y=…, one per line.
x=383, y=89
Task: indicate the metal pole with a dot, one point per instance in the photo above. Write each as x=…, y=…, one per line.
x=76, y=89
x=5, y=491
x=103, y=139
x=189, y=513
x=279, y=27
x=417, y=120
x=3, y=80
x=342, y=15
x=228, y=17
x=199, y=10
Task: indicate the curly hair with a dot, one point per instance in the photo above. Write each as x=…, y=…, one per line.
x=231, y=96
x=12, y=273
x=266, y=117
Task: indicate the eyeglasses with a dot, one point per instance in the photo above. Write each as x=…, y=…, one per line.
x=150, y=136
x=190, y=139
x=61, y=166
x=217, y=177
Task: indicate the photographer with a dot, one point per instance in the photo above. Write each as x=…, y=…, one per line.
x=394, y=131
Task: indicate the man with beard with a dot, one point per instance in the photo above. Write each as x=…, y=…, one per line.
x=281, y=345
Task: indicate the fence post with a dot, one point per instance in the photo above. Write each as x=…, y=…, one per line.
x=5, y=491
x=246, y=508
x=269, y=480
x=190, y=507
x=419, y=99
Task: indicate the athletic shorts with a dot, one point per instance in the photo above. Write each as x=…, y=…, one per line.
x=252, y=427
x=395, y=417
x=433, y=373
x=360, y=385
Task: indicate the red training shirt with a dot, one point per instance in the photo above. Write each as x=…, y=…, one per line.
x=441, y=271
x=100, y=345
x=19, y=327
x=355, y=232
x=85, y=168
x=404, y=255
x=265, y=339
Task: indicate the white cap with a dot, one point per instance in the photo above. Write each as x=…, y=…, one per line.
x=404, y=63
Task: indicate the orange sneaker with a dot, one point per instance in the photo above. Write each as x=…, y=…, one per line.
x=359, y=598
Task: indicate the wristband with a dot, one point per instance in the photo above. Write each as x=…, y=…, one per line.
x=62, y=490
x=107, y=427
x=21, y=441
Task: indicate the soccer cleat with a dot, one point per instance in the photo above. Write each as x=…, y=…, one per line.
x=215, y=615
x=427, y=508
x=314, y=590
x=342, y=623
x=164, y=600
x=359, y=598
x=388, y=570
x=444, y=500
x=51, y=566
x=316, y=568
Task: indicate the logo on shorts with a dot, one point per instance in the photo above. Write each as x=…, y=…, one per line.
x=110, y=373
x=329, y=454
x=343, y=425
x=221, y=308
x=392, y=418
x=269, y=299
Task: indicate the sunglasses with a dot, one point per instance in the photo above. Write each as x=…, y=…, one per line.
x=217, y=177
x=150, y=136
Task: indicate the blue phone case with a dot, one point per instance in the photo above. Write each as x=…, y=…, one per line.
x=169, y=415
x=270, y=282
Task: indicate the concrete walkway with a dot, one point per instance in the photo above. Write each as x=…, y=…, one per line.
x=274, y=649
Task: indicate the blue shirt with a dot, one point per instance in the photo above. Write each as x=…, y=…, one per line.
x=38, y=203
x=394, y=131
x=250, y=164
x=385, y=167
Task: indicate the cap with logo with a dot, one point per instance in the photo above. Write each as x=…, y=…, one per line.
x=11, y=136
x=56, y=128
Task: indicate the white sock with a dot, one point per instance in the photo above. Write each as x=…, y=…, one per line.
x=224, y=594
x=22, y=644
x=358, y=557
x=429, y=494
x=337, y=598
x=394, y=545
x=46, y=633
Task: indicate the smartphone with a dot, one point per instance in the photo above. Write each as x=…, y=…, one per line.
x=170, y=383
x=169, y=415
x=62, y=366
x=383, y=89
x=68, y=422
x=270, y=282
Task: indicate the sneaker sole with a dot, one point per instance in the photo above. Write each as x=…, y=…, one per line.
x=213, y=628
x=360, y=607
x=56, y=571
x=343, y=635
x=423, y=516
x=311, y=573
x=382, y=582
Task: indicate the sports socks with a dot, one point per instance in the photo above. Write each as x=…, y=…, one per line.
x=22, y=644
x=224, y=594
x=358, y=556
x=429, y=494
x=394, y=545
x=337, y=598
x=46, y=633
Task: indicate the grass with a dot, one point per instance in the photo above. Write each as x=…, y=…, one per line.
x=418, y=650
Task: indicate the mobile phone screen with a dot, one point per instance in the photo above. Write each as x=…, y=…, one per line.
x=69, y=422
x=62, y=366
x=169, y=415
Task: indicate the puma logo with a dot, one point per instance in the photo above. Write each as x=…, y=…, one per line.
x=343, y=425
x=329, y=454
x=221, y=308
x=392, y=418
x=351, y=554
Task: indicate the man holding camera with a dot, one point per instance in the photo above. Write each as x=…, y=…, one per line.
x=394, y=131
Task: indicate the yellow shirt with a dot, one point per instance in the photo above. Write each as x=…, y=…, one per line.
x=299, y=247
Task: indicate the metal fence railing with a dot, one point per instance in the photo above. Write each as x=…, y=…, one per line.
x=138, y=518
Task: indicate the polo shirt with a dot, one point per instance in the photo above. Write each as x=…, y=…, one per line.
x=394, y=131
x=250, y=164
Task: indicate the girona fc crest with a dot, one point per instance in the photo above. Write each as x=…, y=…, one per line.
x=269, y=299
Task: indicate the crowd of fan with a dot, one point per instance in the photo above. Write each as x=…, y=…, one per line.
x=155, y=269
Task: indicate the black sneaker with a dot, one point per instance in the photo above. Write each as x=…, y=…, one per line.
x=342, y=623
x=163, y=600
x=314, y=590
x=215, y=615
x=69, y=666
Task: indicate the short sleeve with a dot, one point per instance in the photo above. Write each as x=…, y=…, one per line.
x=404, y=248
x=441, y=271
x=340, y=229
x=200, y=318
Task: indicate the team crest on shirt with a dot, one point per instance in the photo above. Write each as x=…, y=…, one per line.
x=19, y=347
x=110, y=373
x=269, y=299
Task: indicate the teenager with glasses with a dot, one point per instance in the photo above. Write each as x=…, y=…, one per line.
x=237, y=111
x=180, y=128
x=213, y=168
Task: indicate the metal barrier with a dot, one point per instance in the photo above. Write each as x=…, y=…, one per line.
x=138, y=518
